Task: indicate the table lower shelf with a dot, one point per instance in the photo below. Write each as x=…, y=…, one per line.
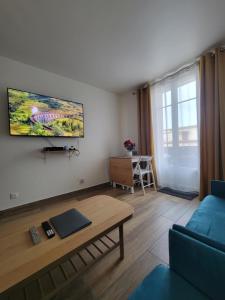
x=56, y=278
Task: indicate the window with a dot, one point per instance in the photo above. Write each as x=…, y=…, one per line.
x=175, y=128
x=179, y=111
x=187, y=115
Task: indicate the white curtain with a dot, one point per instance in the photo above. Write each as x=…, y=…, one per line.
x=175, y=115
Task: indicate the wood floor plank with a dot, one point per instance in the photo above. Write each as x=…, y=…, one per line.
x=187, y=215
x=101, y=276
x=178, y=210
x=129, y=280
x=160, y=248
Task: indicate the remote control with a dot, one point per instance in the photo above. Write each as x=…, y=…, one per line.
x=35, y=236
x=48, y=229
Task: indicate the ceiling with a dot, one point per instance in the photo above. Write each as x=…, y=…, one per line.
x=111, y=44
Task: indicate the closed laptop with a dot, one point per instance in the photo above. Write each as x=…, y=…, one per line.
x=69, y=222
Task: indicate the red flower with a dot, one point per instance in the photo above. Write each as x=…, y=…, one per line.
x=129, y=145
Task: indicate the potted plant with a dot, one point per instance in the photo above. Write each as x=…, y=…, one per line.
x=130, y=146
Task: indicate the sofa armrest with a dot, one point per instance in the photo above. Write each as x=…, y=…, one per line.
x=218, y=188
x=198, y=263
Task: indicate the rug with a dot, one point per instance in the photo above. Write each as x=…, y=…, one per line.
x=180, y=194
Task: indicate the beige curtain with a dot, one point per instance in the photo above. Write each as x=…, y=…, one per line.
x=212, y=119
x=145, y=131
x=144, y=119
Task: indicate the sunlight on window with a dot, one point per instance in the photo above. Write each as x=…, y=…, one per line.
x=180, y=116
x=187, y=115
x=187, y=91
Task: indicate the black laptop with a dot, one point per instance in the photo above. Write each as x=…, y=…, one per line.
x=69, y=222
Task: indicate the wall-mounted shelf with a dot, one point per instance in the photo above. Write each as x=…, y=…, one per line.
x=71, y=151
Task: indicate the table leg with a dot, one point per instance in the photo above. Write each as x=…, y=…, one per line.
x=114, y=185
x=121, y=242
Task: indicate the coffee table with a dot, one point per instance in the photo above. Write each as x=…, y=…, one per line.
x=23, y=263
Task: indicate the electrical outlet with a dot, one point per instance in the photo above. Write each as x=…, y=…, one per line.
x=82, y=181
x=14, y=196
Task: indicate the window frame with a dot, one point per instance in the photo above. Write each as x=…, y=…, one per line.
x=173, y=87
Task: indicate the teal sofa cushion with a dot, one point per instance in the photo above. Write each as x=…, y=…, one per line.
x=199, y=264
x=164, y=284
x=213, y=203
x=209, y=219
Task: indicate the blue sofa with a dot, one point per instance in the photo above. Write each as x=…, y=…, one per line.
x=197, y=256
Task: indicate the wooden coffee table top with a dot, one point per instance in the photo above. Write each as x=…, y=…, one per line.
x=19, y=258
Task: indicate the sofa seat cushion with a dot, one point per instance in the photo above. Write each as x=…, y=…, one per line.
x=164, y=284
x=209, y=219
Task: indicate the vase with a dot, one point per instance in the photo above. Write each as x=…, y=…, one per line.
x=129, y=153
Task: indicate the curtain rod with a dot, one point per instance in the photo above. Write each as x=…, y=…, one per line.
x=221, y=46
x=182, y=68
x=171, y=74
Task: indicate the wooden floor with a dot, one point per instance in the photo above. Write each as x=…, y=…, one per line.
x=146, y=245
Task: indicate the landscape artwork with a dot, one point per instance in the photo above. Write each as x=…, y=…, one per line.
x=37, y=115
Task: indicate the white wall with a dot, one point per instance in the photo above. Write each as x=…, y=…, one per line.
x=129, y=117
x=22, y=167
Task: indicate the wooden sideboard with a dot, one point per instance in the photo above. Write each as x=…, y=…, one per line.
x=121, y=170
